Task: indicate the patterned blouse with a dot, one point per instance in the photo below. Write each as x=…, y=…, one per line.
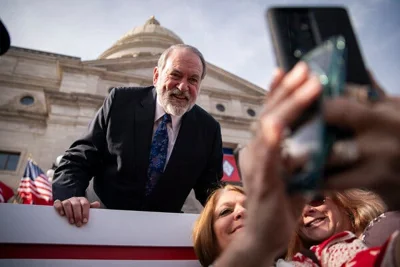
x=346, y=250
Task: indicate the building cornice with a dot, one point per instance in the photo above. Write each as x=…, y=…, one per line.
x=121, y=64
x=74, y=99
x=105, y=74
x=163, y=44
x=38, y=119
x=237, y=122
x=29, y=82
x=37, y=54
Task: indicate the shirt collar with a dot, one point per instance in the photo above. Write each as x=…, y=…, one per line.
x=175, y=120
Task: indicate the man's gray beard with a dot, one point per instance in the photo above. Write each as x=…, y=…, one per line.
x=175, y=110
x=169, y=107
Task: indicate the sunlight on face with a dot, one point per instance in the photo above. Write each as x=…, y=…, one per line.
x=178, y=83
x=321, y=222
x=229, y=216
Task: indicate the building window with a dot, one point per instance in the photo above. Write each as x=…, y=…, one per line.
x=27, y=100
x=9, y=161
x=251, y=112
x=220, y=107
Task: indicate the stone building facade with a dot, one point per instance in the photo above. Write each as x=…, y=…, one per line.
x=47, y=100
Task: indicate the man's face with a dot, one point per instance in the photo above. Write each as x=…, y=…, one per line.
x=178, y=83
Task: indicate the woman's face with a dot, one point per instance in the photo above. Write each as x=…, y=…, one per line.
x=320, y=220
x=229, y=214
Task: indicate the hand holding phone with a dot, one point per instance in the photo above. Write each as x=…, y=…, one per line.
x=324, y=38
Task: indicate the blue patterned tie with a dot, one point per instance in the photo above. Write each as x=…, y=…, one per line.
x=158, y=154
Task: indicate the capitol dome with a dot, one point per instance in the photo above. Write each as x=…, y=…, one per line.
x=148, y=39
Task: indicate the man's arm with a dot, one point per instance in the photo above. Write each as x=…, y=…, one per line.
x=83, y=159
x=212, y=175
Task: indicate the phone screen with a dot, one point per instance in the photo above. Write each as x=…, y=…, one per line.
x=310, y=142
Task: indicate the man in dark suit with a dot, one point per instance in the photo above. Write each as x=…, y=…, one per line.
x=147, y=147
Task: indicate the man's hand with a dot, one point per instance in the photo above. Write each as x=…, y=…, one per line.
x=76, y=209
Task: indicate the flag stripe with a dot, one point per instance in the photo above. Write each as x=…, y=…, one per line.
x=38, y=181
x=30, y=191
x=38, y=189
x=53, y=251
x=35, y=189
x=30, y=183
x=43, y=179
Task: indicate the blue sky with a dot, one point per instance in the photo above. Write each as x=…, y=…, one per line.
x=231, y=34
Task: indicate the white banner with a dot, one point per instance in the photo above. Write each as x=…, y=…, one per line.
x=38, y=236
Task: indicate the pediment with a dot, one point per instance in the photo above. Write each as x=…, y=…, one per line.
x=216, y=78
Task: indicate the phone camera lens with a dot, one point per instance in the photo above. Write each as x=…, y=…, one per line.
x=297, y=53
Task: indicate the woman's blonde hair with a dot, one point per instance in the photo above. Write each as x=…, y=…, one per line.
x=205, y=242
x=361, y=206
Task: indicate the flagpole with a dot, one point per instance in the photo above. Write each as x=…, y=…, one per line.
x=30, y=158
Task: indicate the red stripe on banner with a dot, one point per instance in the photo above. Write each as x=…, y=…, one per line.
x=90, y=252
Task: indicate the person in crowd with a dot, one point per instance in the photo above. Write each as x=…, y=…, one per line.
x=332, y=213
x=147, y=147
x=369, y=161
x=221, y=218
x=335, y=212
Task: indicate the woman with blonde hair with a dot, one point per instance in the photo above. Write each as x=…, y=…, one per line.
x=320, y=218
x=207, y=243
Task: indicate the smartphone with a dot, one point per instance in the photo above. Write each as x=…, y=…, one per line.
x=325, y=39
x=309, y=144
x=297, y=30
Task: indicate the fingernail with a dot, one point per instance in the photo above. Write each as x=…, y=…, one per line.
x=71, y=221
x=61, y=213
x=299, y=68
x=313, y=85
x=79, y=224
x=272, y=128
x=84, y=220
x=276, y=72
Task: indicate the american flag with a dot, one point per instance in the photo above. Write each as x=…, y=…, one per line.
x=35, y=187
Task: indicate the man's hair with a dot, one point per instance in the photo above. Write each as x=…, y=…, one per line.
x=164, y=56
x=205, y=242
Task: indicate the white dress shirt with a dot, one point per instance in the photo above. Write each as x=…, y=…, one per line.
x=172, y=128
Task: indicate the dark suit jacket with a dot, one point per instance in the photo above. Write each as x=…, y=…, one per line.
x=115, y=151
